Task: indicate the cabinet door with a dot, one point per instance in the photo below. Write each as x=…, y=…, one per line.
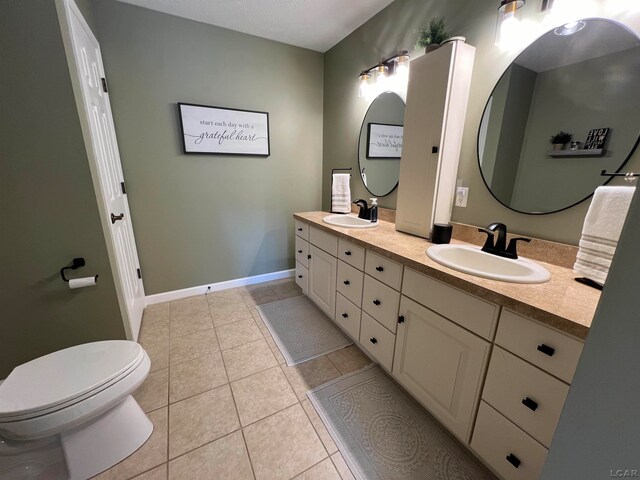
x=322, y=279
x=441, y=364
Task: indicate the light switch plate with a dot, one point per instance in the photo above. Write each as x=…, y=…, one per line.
x=462, y=193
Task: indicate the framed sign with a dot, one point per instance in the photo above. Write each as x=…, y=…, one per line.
x=224, y=130
x=596, y=139
x=384, y=141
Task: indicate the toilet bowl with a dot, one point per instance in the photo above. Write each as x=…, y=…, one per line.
x=71, y=414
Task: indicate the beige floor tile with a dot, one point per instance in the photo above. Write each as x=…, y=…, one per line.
x=286, y=289
x=258, y=289
x=194, y=345
x=321, y=430
x=342, y=467
x=154, y=329
x=159, y=308
x=238, y=333
x=196, y=376
x=349, y=359
x=310, y=374
x=321, y=471
x=154, y=392
x=276, y=351
x=159, y=356
x=223, y=459
x=201, y=419
x=190, y=305
x=253, y=300
x=185, y=324
x=222, y=297
x=230, y=313
x=158, y=473
x=262, y=394
x=283, y=445
x=151, y=454
x=247, y=359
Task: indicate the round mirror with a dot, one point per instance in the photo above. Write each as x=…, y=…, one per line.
x=380, y=144
x=581, y=79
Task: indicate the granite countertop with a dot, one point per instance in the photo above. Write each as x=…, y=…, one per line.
x=561, y=302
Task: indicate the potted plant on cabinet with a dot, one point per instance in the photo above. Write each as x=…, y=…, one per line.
x=560, y=140
x=432, y=35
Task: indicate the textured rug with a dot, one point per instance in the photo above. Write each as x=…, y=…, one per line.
x=384, y=434
x=301, y=330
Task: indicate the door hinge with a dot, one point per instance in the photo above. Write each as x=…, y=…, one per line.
x=104, y=85
x=139, y=273
x=124, y=190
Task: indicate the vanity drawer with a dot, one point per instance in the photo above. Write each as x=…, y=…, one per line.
x=302, y=251
x=302, y=229
x=377, y=340
x=350, y=282
x=495, y=439
x=351, y=253
x=548, y=349
x=348, y=316
x=472, y=313
x=383, y=269
x=381, y=302
x=302, y=277
x=511, y=380
x=324, y=240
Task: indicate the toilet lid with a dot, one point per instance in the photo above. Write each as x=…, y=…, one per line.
x=62, y=376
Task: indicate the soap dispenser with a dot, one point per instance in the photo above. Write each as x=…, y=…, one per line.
x=373, y=210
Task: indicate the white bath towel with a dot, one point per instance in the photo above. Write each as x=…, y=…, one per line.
x=601, y=231
x=341, y=193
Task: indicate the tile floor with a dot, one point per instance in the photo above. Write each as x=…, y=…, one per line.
x=223, y=402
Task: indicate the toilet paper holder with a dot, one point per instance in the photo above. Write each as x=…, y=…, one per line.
x=75, y=264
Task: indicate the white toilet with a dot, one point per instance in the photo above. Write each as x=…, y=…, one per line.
x=70, y=414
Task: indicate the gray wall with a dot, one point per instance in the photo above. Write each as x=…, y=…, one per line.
x=395, y=28
x=48, y=207
x=599, y=427
x=201, y=219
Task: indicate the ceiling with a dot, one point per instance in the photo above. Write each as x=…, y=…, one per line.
x=313, y=24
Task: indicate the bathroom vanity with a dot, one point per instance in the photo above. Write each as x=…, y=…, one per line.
x=492, y=361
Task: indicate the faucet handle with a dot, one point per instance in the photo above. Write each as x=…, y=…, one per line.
x=488, y=244
x=511, y=249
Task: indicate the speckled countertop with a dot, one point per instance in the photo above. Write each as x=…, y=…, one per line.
x=561, y=302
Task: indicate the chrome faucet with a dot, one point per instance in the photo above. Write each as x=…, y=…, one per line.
x=498, y=246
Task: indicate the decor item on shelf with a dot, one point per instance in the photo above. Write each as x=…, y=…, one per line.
x=575, y=145
x=508, y=26
x=432, y=35
x=225, y=131
x=391, y=74
x=559, y=140
x=596, y=139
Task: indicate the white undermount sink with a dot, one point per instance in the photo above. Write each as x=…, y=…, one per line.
x=349, y=221
x=473, y=260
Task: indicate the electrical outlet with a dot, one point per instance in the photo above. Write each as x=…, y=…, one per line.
x=462, y=193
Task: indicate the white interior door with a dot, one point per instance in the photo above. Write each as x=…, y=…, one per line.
x=92, y=99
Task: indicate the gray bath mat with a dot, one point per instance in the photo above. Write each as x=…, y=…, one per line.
x=301, y=331
x=384, y=434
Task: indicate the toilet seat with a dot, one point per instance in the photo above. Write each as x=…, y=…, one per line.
x=52, y=393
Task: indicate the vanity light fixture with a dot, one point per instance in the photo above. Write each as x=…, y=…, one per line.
x=390, y=73
x=508, y=25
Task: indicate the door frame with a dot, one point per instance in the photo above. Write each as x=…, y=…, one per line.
x=64, y=9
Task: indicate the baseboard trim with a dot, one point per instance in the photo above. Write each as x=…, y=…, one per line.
x=215, y=287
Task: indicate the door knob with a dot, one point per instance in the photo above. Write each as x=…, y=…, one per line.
x=115, y=218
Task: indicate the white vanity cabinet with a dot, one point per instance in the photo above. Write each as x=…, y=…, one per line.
x=441, y=364
x=323, y=269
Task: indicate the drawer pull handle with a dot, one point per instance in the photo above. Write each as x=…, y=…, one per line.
x=345, y=315
x=401, y=319
x=373, y=340
x=347, y=282
x=299, y=276
x=376, y=302
x=348, y=253
x=299, y=251
x=380, y=269
x=532, y=404
x=546, y=349
x=513, y=460
x=299, y=229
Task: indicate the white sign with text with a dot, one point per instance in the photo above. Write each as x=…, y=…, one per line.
x=385, y=141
